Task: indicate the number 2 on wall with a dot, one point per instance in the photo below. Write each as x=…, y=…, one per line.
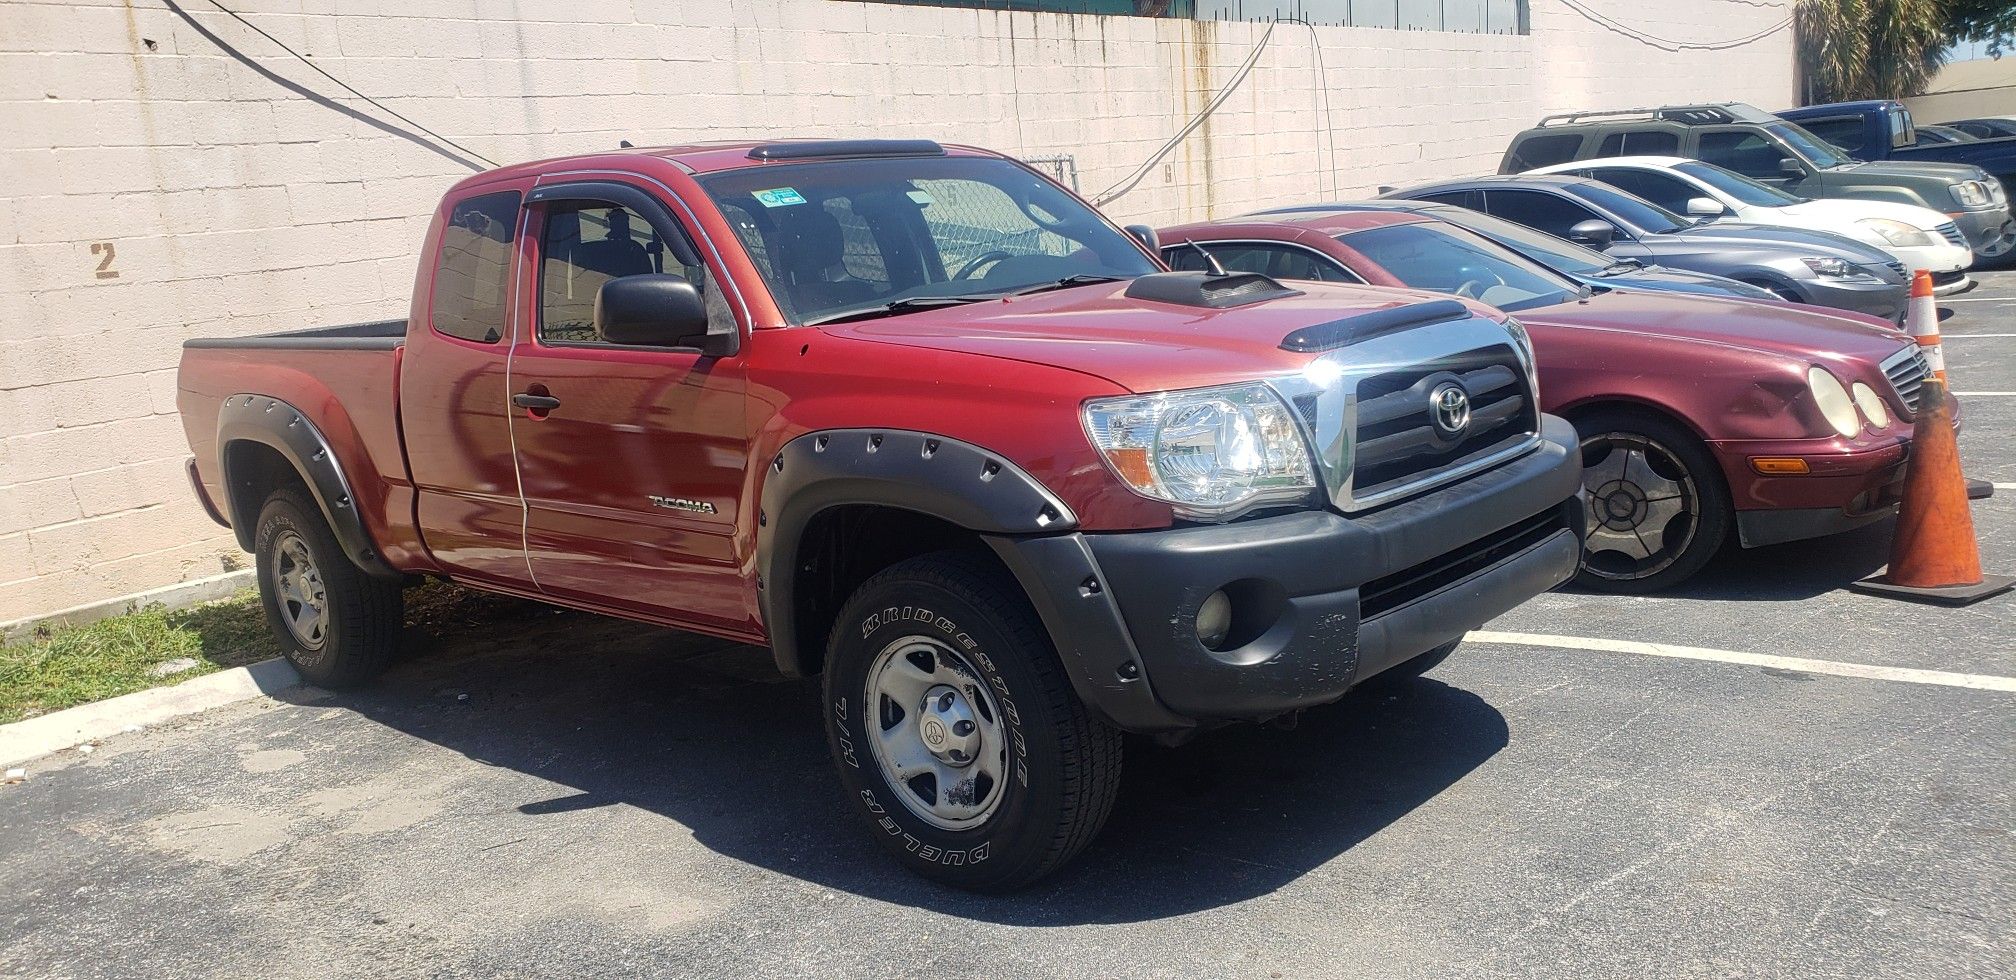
x=105, y=270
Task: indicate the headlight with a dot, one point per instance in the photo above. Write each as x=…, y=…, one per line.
x=1972, y=194
x=1834, y=401
x=1831, y=268
x=1211, y=452
x=1898, y=233
x=1872, y=405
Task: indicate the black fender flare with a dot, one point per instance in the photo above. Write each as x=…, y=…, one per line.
x=953, y=481
x=287, y=430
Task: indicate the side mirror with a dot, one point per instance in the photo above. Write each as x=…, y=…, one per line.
x=1145, y=234
x=1791, y=168
x=659, y=309
x=1593, y=233
x=1705, y=207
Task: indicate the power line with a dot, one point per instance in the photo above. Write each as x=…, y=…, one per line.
x=346, y=85
x=1668, y=44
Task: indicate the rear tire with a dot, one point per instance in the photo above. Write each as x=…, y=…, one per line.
x=956, y=732
x=338, y=625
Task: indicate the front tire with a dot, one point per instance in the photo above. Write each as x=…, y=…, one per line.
x=338, y=625
x=956, y=732
x=1658, y=506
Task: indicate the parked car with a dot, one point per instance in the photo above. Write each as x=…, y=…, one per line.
x=1696, y=413
x=921, y=421
x=1801, y=266
x=1778, y=152
x=1921, y=238
x=1883, y=129
x=1582, y=264
x=1990, y=127
x=1932, y=135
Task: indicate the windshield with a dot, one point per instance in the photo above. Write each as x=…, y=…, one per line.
x=1558, y=254
x=1630, y=208
x=1817, y=151
x=1448, y=259
x=1737, y=186
x=889, y=235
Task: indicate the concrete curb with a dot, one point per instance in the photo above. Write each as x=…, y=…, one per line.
x=180, y=595
x=37, y=737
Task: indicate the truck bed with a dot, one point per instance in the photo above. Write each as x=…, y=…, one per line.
x=375, y=335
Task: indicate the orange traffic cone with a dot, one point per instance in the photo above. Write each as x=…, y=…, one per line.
x=1934, y=557
x=1921, y=321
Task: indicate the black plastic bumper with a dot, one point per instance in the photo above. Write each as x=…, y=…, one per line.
x=1321, y=601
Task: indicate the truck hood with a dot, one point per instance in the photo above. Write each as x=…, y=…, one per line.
x=1139, y=345
x=1885, y=173
x=1787, y=330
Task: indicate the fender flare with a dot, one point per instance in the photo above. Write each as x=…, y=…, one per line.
x=937, y=476
x=287, y=430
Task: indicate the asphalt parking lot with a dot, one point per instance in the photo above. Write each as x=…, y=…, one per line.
x=552, y=794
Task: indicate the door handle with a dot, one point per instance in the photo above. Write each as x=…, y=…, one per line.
x=535, y=403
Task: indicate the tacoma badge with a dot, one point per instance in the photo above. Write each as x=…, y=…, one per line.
x=681, y=503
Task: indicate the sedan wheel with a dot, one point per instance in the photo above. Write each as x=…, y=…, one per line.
x=1657, y=507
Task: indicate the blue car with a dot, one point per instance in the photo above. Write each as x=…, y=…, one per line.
x=1583, y=265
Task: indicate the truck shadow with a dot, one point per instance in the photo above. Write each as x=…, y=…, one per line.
x=707, y=735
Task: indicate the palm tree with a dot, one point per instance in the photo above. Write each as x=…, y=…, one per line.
x=1869, y=49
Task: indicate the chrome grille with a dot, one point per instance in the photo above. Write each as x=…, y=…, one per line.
x=1898, y=268
x=1907, y=370
x=1397, y=439
x=1951, y=232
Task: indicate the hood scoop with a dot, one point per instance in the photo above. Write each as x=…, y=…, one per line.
x=1365, y=326
x=1207, y=291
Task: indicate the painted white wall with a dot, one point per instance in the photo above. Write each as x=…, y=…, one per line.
x=157, y=187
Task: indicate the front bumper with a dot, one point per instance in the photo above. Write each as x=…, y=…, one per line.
x=1849, y=486
x=1991, y=232
x=1321, y=601
x=1937, y=259
x=1878, y=298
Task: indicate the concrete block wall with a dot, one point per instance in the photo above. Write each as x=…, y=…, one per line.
x=170, y=173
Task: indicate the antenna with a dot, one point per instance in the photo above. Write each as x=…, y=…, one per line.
x=1211, y=261
x=625, y=145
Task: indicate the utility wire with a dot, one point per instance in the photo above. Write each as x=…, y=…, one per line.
x=1607, y=22
x=1132, y=180
x=346, y=85
x=1322, y=94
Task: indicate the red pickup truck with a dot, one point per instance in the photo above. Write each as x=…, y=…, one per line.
x=921, y=421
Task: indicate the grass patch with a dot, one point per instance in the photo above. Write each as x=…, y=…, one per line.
x=64, y=666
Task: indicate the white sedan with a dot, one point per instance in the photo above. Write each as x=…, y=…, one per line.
x=1921, y=238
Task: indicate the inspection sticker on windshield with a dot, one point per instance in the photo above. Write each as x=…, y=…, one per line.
x=921, y=197
x=777, y=197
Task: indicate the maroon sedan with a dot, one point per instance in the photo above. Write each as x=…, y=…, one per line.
x=1696, y=412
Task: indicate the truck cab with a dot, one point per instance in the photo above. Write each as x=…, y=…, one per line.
x=926, y=425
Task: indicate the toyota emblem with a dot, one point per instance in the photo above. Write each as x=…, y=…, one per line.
x=1449, y=406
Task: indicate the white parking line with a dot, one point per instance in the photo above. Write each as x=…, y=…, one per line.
x=1967, y=336
x=1976, y=299
x=1983, y=394
x=1909, y=675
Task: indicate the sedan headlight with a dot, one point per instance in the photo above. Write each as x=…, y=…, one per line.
x=1210, y=452
x=1972, y=194
x=1872, y=405
x=1897, y=233
x=1834, y=401
x=1831, y=268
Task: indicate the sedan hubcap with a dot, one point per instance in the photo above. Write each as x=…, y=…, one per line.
x=297, y=583
x=1642, y=503
x=935, y=734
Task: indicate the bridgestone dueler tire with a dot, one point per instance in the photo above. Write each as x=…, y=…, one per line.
x=1063, y=765
x=363, y=615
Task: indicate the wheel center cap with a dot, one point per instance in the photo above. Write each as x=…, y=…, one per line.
x=947, y=726
x=1622, y=505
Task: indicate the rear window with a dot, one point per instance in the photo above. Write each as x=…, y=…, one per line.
x=1545, y=150
x=1845, y=132
x=472, y=274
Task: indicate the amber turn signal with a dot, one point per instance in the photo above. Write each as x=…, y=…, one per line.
x=1779, y=465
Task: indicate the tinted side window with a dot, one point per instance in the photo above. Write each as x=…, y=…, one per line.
x=588, y=243
x=1670, y=193
x=473, y=271
x=1643, y=142
x=1749, y=154
x=1461, y=199
x=1546, y=150
x=1845, y=132
x=1277, y=261
x=1543, y=212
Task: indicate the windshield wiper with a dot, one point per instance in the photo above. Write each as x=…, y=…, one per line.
x=1620, y=267
x=1065, y=283
x=908, y=304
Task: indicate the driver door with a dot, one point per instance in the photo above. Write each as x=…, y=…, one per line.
x=631, y=459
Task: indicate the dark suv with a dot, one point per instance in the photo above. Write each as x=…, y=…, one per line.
x=1764, y=147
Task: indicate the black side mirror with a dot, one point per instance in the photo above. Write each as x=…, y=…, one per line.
x=659, y=309
x=1593, y=233
x=1791, y=168
x=1146, y=236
